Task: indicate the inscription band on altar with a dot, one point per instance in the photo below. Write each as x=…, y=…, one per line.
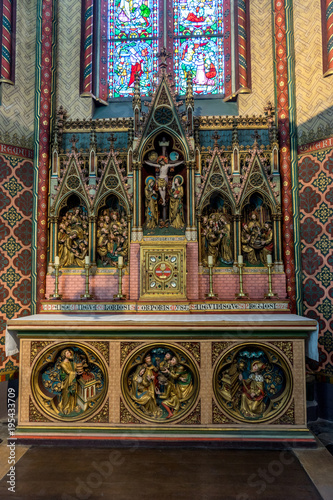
x=186, y=307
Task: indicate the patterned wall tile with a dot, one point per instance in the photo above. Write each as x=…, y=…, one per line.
x=16, y=175
x=68, y=82
x=262, y=83
x=316, y=204
x=17, y=109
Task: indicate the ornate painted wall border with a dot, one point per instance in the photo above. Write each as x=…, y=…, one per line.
x=327, y=34
x=44, y=107
x=286, y=113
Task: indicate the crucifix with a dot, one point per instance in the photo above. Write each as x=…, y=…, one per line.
x=111, y=140
x=74, y=140
x=256, y=137
x=216, y=137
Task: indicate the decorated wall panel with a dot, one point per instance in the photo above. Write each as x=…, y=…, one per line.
x=68, y=82
x=313, y=92
x=16, y=177
x=70, y=381
x=316, y=205
x=167, y=385
x=17, y=110
x=262, y=82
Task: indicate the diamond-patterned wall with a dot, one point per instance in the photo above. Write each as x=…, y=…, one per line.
x=314, y=94
x=262, y=81
x=316, y=207
x=68, y=48
x=16, y=177
x=17, y=101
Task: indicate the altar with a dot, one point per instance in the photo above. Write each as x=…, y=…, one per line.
x=165, y=309
x=204, y=377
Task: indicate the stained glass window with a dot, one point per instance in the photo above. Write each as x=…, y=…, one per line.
x=133, y=45
x=196, y=41
x=198, y=45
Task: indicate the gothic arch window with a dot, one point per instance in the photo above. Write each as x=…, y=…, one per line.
x=209, y=39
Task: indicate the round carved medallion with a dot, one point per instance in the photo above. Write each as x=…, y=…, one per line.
x=252, y=382
x=69, y=381
x=160, y=383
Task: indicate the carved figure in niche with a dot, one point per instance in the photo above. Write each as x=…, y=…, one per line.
x=176, y=211
x=204, y=226
x=252, y=382
x=226, y=248
x=254, y=227
x=161, y=384
x=72, y=384
x=73, y=238
x=216, y=238
x=151, y=212
x=257, y=237
x=213, y=238
x=112, y=235
x=267, y=241
x=163, y=166
x=247, y=249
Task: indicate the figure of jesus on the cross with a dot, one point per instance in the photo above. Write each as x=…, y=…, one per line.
x=163, y=166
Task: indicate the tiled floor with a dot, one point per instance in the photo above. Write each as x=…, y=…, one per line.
x=65, y=473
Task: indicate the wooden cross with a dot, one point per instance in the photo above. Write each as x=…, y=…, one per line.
x=256, y=136
x=74, y=140
x=216, y=137
x=163, y=55
x=111, y=140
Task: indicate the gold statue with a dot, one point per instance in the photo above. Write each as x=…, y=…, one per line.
x=73, y=238
x=216, y=238
x=69, y=370
x=176, y=212
x=151, y=203
x=112, y=237
x=160, y=386
x=252, y=404
x=163, y=165
x=179, y=387
x=226, y=246
x=247, y=249
x=267, y=242
x=142, y=393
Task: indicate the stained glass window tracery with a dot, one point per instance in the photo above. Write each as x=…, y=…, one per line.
x=198, y=45
x=196, y=39
x=133, y=45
